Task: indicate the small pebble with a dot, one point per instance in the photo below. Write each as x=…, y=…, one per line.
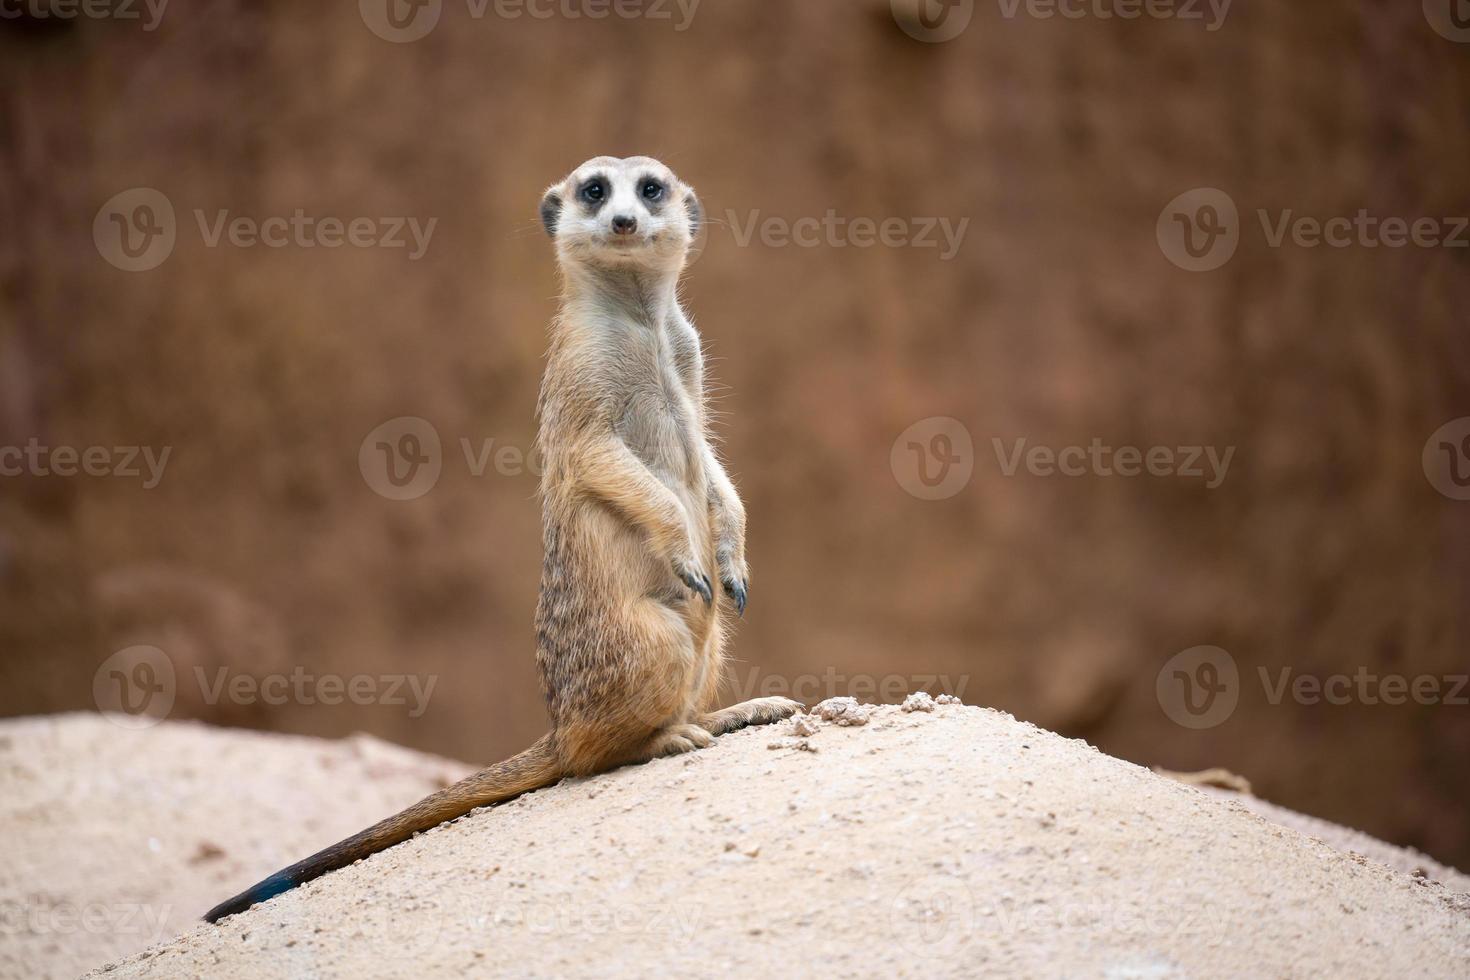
x=918, y=701
x=844, y=712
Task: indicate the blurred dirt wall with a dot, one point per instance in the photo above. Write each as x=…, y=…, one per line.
x=264, y=550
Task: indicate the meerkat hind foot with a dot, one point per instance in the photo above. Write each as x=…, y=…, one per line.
x=759, y=711
x=678, y=739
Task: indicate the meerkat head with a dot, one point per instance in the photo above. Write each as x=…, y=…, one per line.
x=622, y=213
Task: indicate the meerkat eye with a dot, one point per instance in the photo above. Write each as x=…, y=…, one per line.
x=594, y=192
x=653, y=190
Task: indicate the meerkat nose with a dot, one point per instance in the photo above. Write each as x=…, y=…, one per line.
x=624, y=224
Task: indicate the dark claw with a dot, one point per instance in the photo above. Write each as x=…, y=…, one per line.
x=698, y=585
x=738, y=592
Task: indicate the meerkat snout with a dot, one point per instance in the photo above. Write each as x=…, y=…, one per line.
x=622, y=212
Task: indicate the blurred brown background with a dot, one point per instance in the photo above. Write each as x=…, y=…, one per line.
x=264, y=549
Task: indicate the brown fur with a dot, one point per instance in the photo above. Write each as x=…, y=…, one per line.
x=637, y=512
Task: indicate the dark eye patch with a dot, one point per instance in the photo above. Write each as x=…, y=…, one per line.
x=652, y=192
x=594, y=193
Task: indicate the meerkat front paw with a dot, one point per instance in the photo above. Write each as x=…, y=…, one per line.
x=735, y=577
x=739, y=592
x=766, y=711
x=760, y=711
x=689, y=572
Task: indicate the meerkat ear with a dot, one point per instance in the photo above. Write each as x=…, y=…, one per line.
x=550, y=212
x=696, y=213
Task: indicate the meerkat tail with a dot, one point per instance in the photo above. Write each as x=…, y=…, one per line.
x=532, y=769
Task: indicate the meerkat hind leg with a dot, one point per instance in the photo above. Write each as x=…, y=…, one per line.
x=757, y=711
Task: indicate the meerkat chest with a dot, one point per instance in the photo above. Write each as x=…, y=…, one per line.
x=660, y=424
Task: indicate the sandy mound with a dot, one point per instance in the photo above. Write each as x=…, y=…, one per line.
x=1404, y=859
x=932, y=844
x=114, y=840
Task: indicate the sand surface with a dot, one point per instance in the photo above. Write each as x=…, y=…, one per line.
x=950, y=843
x=115, y=840
x=1346, y=839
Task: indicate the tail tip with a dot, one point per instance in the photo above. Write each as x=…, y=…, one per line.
x=263, y=892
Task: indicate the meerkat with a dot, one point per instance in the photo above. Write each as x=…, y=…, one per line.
x=644, y=533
